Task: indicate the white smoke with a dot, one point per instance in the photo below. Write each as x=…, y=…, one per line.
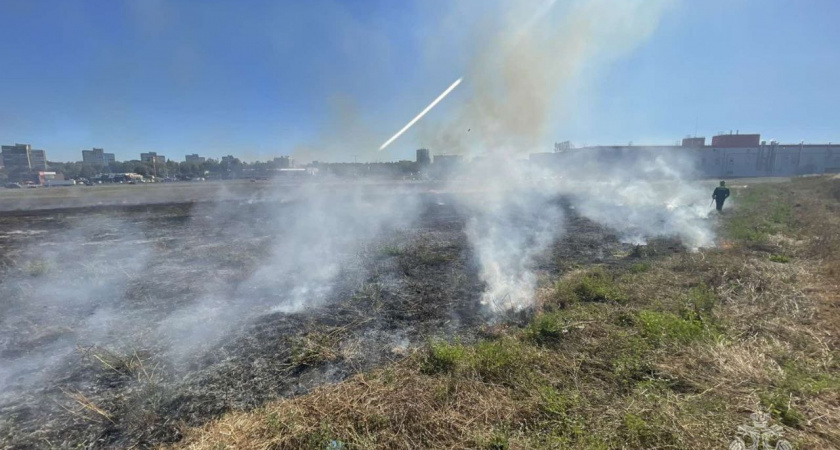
x=513, y=221
x=518, y=83
x=319, y=236
x=645, y=195
x=68, y=293
x=516, y=214
x=100, y=282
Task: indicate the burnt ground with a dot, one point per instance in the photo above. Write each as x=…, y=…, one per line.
x=119, y=325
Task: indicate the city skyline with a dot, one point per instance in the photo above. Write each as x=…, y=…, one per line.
x=331, y=80
x=731, y=140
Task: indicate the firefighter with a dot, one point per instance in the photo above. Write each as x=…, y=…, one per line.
x=720, y=194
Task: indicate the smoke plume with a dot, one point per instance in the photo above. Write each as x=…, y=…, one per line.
x=519, y=80
x=524, y=64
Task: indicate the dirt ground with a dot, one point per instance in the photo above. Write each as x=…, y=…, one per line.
x=120, y=324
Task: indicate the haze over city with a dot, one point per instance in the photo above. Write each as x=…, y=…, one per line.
x=334, y=79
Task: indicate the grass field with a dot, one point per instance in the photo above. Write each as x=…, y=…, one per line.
x=120, y=194
x=667, y=351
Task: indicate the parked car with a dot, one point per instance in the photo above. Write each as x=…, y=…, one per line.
x=13, y=186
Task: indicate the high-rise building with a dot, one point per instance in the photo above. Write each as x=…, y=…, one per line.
x=17, y=157
x=423, y=157
x=152, y=157
x=37, y=160
x=194, y=158
x=97, y=157
x=284, y=162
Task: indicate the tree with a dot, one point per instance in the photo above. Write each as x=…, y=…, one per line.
x=170, y=168
x=117, y=167
x=88, y=171
x=140, y=168
x=210, y=165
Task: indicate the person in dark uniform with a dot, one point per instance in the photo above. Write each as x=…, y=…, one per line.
x=720, y=195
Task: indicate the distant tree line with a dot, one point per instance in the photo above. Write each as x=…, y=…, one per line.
x=171, y=169
x=229, y=168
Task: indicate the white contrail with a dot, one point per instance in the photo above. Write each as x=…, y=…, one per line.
x=422, y=113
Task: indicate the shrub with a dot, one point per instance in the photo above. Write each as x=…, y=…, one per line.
x=642, y=251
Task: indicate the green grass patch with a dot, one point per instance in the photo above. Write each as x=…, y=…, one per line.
x=497, y=441
x=502, y=361
x=390, y=250
x=560, y=408
x=646, y=431
x=762, y=211
x=547, y=328
x=663, y=328
x=702, y=299
x=599, y=286
x=802, y=379
x=780, y=258
x=36, y=268
x=641, y=267
x=564, y=293
x=630, y=360
x=780, y=407
x=443, y=357
x=323, y=438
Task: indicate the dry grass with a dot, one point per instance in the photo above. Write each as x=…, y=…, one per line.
x=671, y=352
x=391, y=408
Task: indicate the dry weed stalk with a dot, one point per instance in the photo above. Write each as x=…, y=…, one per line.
x=86, y=405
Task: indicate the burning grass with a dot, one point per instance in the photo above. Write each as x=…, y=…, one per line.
x=670, y=351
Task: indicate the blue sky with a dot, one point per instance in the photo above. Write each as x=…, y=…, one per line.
x=259, y=79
